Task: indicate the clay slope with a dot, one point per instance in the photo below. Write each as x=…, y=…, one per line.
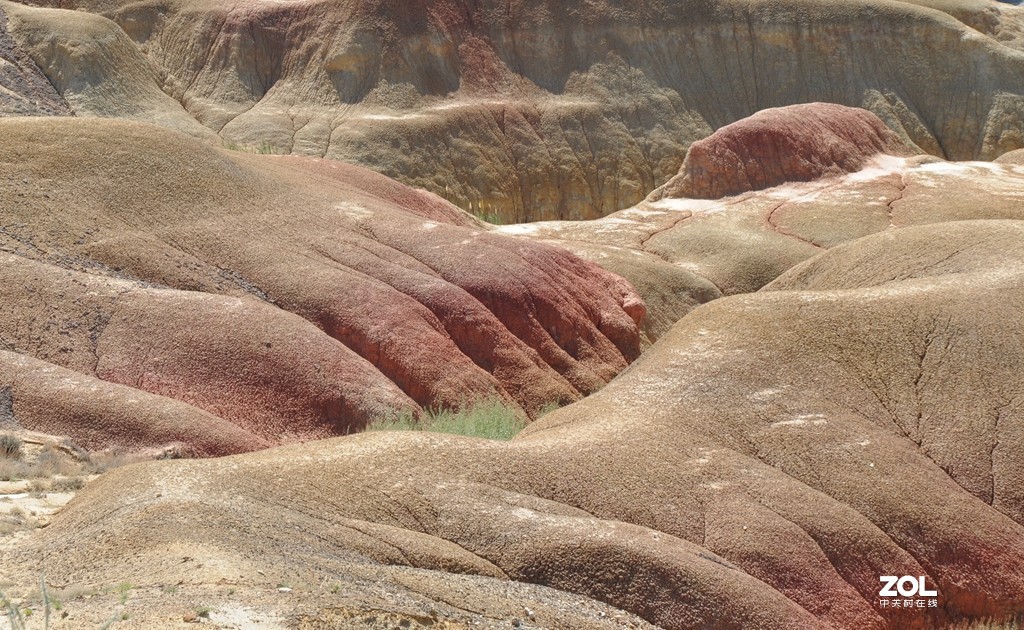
x=532, y=109
x=761, y=466
x=96, y=414
x=294, y=298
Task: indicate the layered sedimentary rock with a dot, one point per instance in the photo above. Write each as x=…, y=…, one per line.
x=537, y=109
x=761, y=466
x=798, y=143
x=680, y=253
x=294, y=298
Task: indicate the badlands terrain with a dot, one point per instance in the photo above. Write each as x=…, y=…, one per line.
x=751, y=274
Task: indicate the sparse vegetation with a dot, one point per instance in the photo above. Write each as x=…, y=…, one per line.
x=67, y=484
x=14, y=521
x=490, y=419
x=203, y=612
x=43, y=469
x=490, y=217
x=62, y=467
x=10, y=447
x=1014, y=623
x=17, y=616
x=122, y=590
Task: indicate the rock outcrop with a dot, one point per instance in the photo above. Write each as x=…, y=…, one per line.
x=799, y=143
x=530, y=110
x=295, y=298
x=761, y=466
x=24, y=89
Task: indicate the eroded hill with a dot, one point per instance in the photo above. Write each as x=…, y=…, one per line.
x=145, y=258
x=846, y=406
x=534, y=109
x=760, y=466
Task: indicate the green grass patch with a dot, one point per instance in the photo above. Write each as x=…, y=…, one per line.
x=491, y=217
x=488, y=419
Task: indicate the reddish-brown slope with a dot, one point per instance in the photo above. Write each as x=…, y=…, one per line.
x=760, y=466
x=295, y=297
x=263, y=369
x=95, y=414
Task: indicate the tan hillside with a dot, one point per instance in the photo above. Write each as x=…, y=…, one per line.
x=681, y=252
x=534, y=109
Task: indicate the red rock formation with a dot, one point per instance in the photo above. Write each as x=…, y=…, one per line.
x=266, y=371
x=798, y=143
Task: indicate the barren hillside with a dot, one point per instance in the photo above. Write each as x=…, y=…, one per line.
x=764, y=348
x=753, y=469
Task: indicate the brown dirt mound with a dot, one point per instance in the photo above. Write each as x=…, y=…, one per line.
x=799, y=143
x=761, y=466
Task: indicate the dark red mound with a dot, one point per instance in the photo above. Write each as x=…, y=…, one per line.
x=798, y=143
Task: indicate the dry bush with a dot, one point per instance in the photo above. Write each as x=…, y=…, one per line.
x=10, y=447
x=52, y=462
x=13, y=470
x=67, y=484
x=66, y=463
x=14, y=521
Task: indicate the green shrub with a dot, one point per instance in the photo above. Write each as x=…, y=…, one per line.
x=491, y=217
x=10, y=447
x=490, y=419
